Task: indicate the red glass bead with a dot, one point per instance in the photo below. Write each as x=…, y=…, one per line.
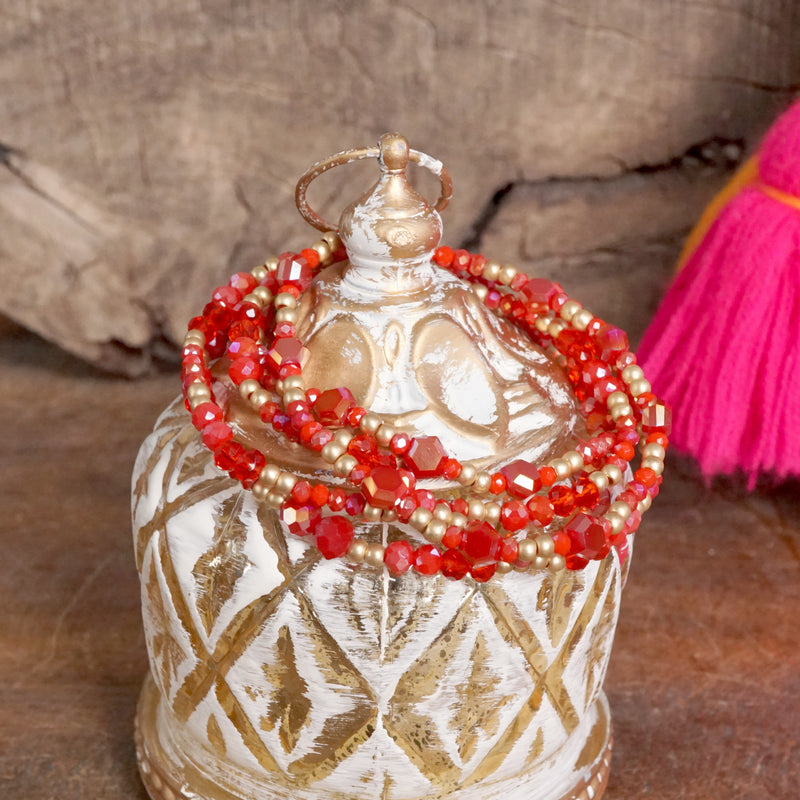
x=451, y=469
x=243, y=347
x=476, y=265
x=293, y=270
x=247, y=311
x=320, y=439
x=576, y=345
x=312, y=395
x=248, y=466
x=509, y=551
x=406, y=507
x=519, y=281
x=452, y=537
x=284, y=330
x=657, y=418
x=480, y=541
x=587, y=535
x=400, y=444
x=633, y=521
x=646, y=476
x=563, y=500
x=612, y=341
x=513, y=515
x=657, y=438
x=354, y=504
x=320, y=495
x=561, y=543
x=384, y=487
x=587, y=494
x=443, y=256
x=624, y=551
x=268, y=411
x=364, y=448
x=398, y=557
x=493, y=298
x=460, y=506
x=484, y=571
x=427, y=560
x=332, y=406
x=359, y=473
x=286, y=351
x=308, y=429
x=426, y=457
x=548, y=476
x=301, y=520
x=575, y=562
x=336, y=498
x=461, y=261
x=311, y=256
x=593, y=371
x=355, y=415
x=604, y=387
x=333, y=536
x=243, y=282
x=540, y=291
x=541, y=510
x=425, y=499
x=243, y=369
x=301, y=492
x=206, y=413
x=522, y=478
x=216, y=434
x=498, y=483
x=226, y=296
x=244, y=327
x=408, y=479
x=454, y=565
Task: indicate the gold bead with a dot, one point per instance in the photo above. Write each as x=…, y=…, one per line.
x=357, y=551
x=285, y=300
x=476, y=510
x=198, y=392
x=271, y=263
x=258, y=398
x=344, y=465
x=195, y=337
x=621, y=508
x=581, y=319
x=292, y=395
x=569, y=309
x=434, y=531
x=540, y=562
x=654, y=450
x=264, y=294
x=384, y=434
x=420, y=519
x=370, y=423
x=574, y=459
x=458, y=520
x=483, y=480
x=273, y=499
x=542, y=323
x=491, y=270
x=323, y=251
x=269, y=474
x=557, y=563
x=527, y=550
x=640, y=387
x=633, y=372
x=442, y=512
x=544, y=545
x=655, y=464
x=286, y=315
x=293, y=382
x=259, y=273
x=599, y=479
x=285, y=483
x=492, y=513
x=620, y=411
x=331, y=452
x=480, y=291
x=374, y=554
x=246, y=388
x=503, y=567
x=507, y=274
x=555, y=327
x=260, y=491
x=617, y=398
x=613, y=473
x=343, y=437
x=371, y=513
x=389, y=515
x=617, y=523
x=279, y=386
x=467, y=475
x=332, y=239
x=252, y=298
x=562, y=468
x=645, y=504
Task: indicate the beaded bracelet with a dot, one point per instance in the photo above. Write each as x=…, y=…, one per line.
x=252, y=321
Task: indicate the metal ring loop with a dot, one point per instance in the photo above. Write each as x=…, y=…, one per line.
x=357, y=154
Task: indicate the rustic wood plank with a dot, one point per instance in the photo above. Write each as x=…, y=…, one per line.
x=150, y=148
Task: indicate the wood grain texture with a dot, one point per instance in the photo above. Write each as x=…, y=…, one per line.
x=151, y=148
x=703, y=681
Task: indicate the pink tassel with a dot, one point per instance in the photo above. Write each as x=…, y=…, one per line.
x=724, y=347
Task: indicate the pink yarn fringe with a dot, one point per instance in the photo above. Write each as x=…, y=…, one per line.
x=724, y=347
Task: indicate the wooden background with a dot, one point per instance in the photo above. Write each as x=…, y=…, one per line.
x=150, y=148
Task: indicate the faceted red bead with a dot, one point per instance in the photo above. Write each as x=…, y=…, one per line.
x=312, y=395
x=311, y=256
x=244, y=328
x=563, y=500
x=593, y=371
x=243, y=347
x=384, y=487
x=454, y=565
x=587, y=536
x=359, y=473
x=206, y=413
x=320, y=439
x=633, y=521
x=320, y=495
x=484, y=571
x=408, y=479
x=243, y=369
x=452, y=537
x=406, y=507
x=460, y=506
x=425, y=499
x=541, y=510
x=561, y=543
x=513, y=515
x=443, y=256
x=364, y=448
x=575, y=562
x=300, y=519
x=522, y=478
x=604, y=387
x=426, y=457
x=612, y=341
x=355, y=415
x=336, y=499
x=308, y=430
x=400, y=444
x=332, y=406
x=644, y=475
x=333, y=535
x=576, y=345
x=509, y=551
x=427, y=560
x=480, y=541
x=268, y=411
x=248, y=466
x=657, y=418
x=548, y=476
x=243, y=282
x=476, y=265
x=461, y=261
x=301, y=492
x=247, y=311
x=215, y=434
x=451, y=469
x=284, y=330
x=286, y=351
x=540, y=290
x=226, y=296
x=493, y=298
x=398, y=557
x=587, y=494
x=227, y=454
x=519, y=282
x=294, y=270
x=497, y=483
x=354, y=504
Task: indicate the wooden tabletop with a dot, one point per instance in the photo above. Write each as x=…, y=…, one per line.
x=704, y=682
